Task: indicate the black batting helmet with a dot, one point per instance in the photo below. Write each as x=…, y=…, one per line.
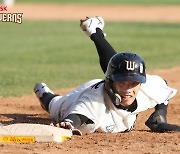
x=126, y=66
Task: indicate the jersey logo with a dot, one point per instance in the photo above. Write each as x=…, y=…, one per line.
x=130, y=65
x=110, y=128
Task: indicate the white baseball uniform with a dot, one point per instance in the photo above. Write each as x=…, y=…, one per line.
x=89, y=100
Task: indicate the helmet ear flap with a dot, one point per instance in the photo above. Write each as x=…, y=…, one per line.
x=116, y=98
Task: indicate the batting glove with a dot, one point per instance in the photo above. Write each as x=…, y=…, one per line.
x=89, y=25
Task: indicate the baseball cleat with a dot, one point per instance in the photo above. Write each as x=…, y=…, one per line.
x=89, y=25
x=40, y=89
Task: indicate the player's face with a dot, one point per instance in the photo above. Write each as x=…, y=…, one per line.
x=127, y=90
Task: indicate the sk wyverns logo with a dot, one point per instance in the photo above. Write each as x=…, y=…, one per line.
x=130, y=65
x=10, y=17
x=3, y=8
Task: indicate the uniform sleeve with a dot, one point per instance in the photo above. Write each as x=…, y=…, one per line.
x=157, y=90
x=84, y=108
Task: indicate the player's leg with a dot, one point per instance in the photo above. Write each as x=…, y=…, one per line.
x=44, y=94
x=93, y=27
x=104, y=49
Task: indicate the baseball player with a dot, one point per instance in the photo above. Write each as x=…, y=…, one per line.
x=112, y=104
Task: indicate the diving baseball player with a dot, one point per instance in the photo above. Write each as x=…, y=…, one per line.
x=112, y=104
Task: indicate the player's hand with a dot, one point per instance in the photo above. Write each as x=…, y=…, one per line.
x=157, y=122
x=65, y=125
x=52, y=124
x=89, y=25
x=155, y=119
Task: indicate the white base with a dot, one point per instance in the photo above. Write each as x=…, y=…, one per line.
x=24, y=132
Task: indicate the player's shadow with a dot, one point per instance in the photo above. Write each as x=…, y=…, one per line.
x=24, y=118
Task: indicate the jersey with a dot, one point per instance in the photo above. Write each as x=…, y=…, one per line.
x=90, y=100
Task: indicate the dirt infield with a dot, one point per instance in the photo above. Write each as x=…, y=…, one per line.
x=141, y=140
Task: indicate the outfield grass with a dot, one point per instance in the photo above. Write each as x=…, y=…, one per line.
x=59, y=54
x=144, y=2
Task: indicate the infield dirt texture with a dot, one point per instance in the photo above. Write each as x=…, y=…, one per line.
x=27, y=108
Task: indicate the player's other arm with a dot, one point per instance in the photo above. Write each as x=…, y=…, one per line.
x=158, y=116
x=157, y=121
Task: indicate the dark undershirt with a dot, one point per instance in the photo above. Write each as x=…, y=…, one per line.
x=129, y=108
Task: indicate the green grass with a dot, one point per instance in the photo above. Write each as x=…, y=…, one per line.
x=59, y=54
x=144, y=2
